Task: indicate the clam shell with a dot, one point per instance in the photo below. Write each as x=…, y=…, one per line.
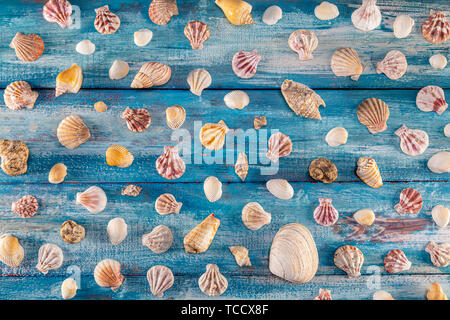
x=170, y=165
x=100, y=106
x=212, y=282
x=118, y=70
x=19, y=95
x=236, y=99
x=350, y=260
x=152, y=74
x=71, y=232
x=412, y=141
x=280, y=145
x=245, y=63
x=212, y=135
x=138, y=120
x=50, y=258
x=439, y=253
x=431, y=98
x=85, y=47
x=28, y=47
x=326, y=11
x=373, y=113
x=325, y=214
x=364, y=217
x=336, y=137
x=175, y=116
x=345, y=63
x=57, y=173
x=396, y=261
x=304, y=42
x=367, y=17
x=236, y=11
x=324, y=294
x=301, y=99
x=197, y=33
x=447, y=130
x=167, y=204
x=107, y=274
x=241, y=166
x=160, y=279
x=240, y=255
x=161, y=11
x=72, y=132
x=58, y=11
x=117, y=230
x=280, y=188
x=440, y=162
x=142, y=37
x=382, y=295
x=323, y=170
x=198, y=80
x=402, y=26
x=69, y=80
x=11, y=252
x=367, y=170
x=440, y=215
x=435, y=292
x=212, y=188
x=93, y=199
x=14, y=156
x=131, y=190
x=438, y=61
x=199, y=239
x=254, y=216
x=68, y=288
x=159, y=240
x=26, y=207
x=436, y=29
x=259, y=122
x=393, y=65
x=272, y=15
x=118, y=156
x=106, y=22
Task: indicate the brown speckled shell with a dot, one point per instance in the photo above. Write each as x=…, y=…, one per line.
x=323, y=170
x=14, y=156
x=131, y=190
x=301, y=99
x=72, y=232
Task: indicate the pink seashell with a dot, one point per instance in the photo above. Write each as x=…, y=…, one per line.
x=58, y=11
x=410, y=202
x=396, y=261
x=436, y=29
x=324, y=294
x=169, y=165
x=26, y=207
x=245, y=63
x=393, y=65
x=439, y=254
x=367, y=17
x=137, y=120
x=161, y=11
x=106, y=22
x=304, y=42
x=197, y=33
x=325, y=214
x=280, y=145
x=431, y=98
x=93, y=199
x=412, y=141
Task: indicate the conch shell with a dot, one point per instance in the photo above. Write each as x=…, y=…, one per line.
x=367, y=170
x=345, y=63
x=160, y=279
x=93, y=199
x=212, y=282
x=175, y=116
x=26, y=207
x=119, y=156
x=241, y=166
x=367, y=17
x=304, y=42
x=212, y=188
x=439, y=253
x=107, y=274
x=280, y=145
x=212, y=135
x=323, y=170
x=436, y=29
x=373, y=113
x=50, y=258
x=301, y=99
x=72, y=132
x=69, y=80
x=254, y=216
x=72, y=232
x=14, y=156
x=152, y=74
x=19, y=95
x=240, y=253
x=236, y=11
x=393, y=65
x=11, y=252
x=349, y=259
x=245, y=63
x=29, y=47
x=167, y=204
x=170, y=165
x=280, y=188
x=106, y=22
x=412, y=141
x=138, y=120
x=57, y=173
x=117, y=230
x=159, y=240
x=198, y=80
x=199, y=239
x=197, y=33
x=58, y=11
x=431, y=98
x=161, y=11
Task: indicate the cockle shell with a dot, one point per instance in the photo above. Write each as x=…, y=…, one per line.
x=245, y=63
x=326, y=11
x=254, y=216
x=349, y=259
x=58, y=11
x=131, y=190
x=325, y=214
x=57, y=173
x=117, y=230
x=100, y=106
x=212, y=188
x=236, y=11
x=197, y=33
x=440, y=215
x=410, y=202
x=11, y=252
x=280, y=188
x=85, y=47
x=93, y=199
x=212, y=282
x=151, y=74
x=170, y=165
x=301, y=99
x=28, y=47
x=396, y=261
x=240, y=255
x=304, y=42
x=199, y=239
x=198, y=80
x=175, y=116
x=436, y=29
x=382, y=295
x=69, y=288
x=412, y=141
x=18, y=95
x=438, y=61
x=159, y=240
x=50, y=258
x=72, y=232
x=336, y=137
x=160, y=279
x=259, y=122
x=138, y=120
x=69, y=80
x=431, y=98
x=241, y=166
x=161, y=11
x=142, y=37
x=118, y=70
x=439, y=163
x=72, y=132
x=107, y=274
x=373, y=113
x=402, y=26
x=435, y=292
x=393, y=65
x=236, y=99
x=364, y=217
x=212, y=135
x=119, y=156
x=167, y=204
x=439, y=253
x=367, y=170
x=345, y=63
x=14, y=156
x=293, y=254
x=323, y=170
x=26, y=207
x=106, y=22
x=280, y=145
x=272, y=15
x=324, y=294
x=367, y=17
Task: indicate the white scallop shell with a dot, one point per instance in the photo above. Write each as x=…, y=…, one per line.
x=236, y=99
x=326, y=11
x=198, y=80
x=119, y=69
x=280, y=188
x=50, y=258
x=254, y=216
x=402, y=26
x=367, y=17
x=440, y=162
x=142, y=37
x=438, y=61
x=336, y=136
x=212, y=188
x=117, y=230
x=441, y=215
x=272, y=14
x=160, y=279
x=85, y=47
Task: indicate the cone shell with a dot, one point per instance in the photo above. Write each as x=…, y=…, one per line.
x=236, y=11
x=301, y=99
x=19, y=95
x=212, y=135
x=72, y=132
x=107, y=274
x=69, y=80
x=323, y=170
x=212, y=282
x=161, y=11
x=175, y=116
x=439, y=254
x=431, y=98
x=345, y=63
x=138, y=120
x=367, y=170
x=167, y=204
x=236, y=99
x=364, y=217
x=159, y=240
x=412, y=141
x=367, y=17
x=131, y=190
x=402, y=26
x=441, y=216
x=304, y=42
x=106, y=22
x=440, y=162
x=93, y=199
x=254, y=216
x=152, y=74
x=199, y=239
x=160, y=279
x=50, y=258
x=26, y=207
x=280, y=188
x=435, y=292
x=212, y=188
x=29, y=47
x=410, y=202
x=280, y=145
x=118, y=156
x=170, y=165
x=241, y=166
x=325, y=214
x=71, y=232
x=393, y=65
x=14, y=156
x=58, y=11
x=324, y=294
x=198, y=80
x=241, y=255
x=11, y=252
x=117, y=230
x=197, y=33
x=68, y=288
x=436, y=29
x=245, y=63
x=396, y=261
x=259, y=122
x=350, y=260
x=373, y=113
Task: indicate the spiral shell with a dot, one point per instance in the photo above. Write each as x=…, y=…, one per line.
x=71, y=232
x=58, y=11
x=236, y=11
x=107, y=274
x=373, y=113
x=301, y=99
x=280, y=188
x=198, y=80
x=412, y=141
x=212, y=282
x=57, y=173
x=93, y=199
x=161, y=11
x=325, y=214
x=19, y=95
x=197, y=33
x=152, y=74
x=367, y=170
x=236, y=99
x=349, y=259
x=11, y=252
x=175, y=116
x=280, y=145
x=304, y=42
x=212, y=188
x=323, y=170
x=72, y=132
x=199, y=239
x=159, y=240
x=138, y=120
x=259, y=122
x=241, y=166
x=14, y=156
x=245, y=63
x=69, y=288
x=117, y=230
x=439, y=253
x=436, y=29
x=254, y=216
x=396, y=261
x=106, y=22
x=402, y=26
x=170, y=165
x=131, y=190
x=69, y=80
x=393, y=65
x=240, y=255
x=118, y=156
x=160, y=279
x=212, y=135
x=167, y=204
x=324, y=294
x=410, y=202
x=431, y=98
x=50, y=257
x=435, y=292
x=28, y=47
x=345, y=63
x=367, y=17
x=26, y=207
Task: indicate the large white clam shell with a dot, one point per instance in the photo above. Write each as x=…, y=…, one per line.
x=119, y=69
x=336, y=136
x=326, y=11
x=212, y=188
x=85, y=47
x=236, y=99
x=142, y=37
x=441, y=215
x=402, y=26
x=272, y=14
x=117, y=230
x=440, y=162
x=280, y=188
x=438, y=61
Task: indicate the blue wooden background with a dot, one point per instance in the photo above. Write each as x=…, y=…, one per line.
x=87, y=166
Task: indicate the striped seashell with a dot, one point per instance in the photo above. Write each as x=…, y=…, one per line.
x=345, y=63
x=323, y=170
x=212, y=282
x=11, y=252
x=241, y=166
x=175, y=116
x=69, y=80
x=26, y=207
x=93, y=199
x=367, y=17
x=170, y=165
x=28, y=47
x=14, y=156
x=119, y=156
x=131, y=190
x=254, y=216
x=138, y=120
x=259, y=122
x=367, y=170
x=350, y=260
x=199, y=239
x=410, y=202
x=280, y=145
x=373, y=113
x=280, y=188
x=117, y=230
x=245, y=63
x=236, y=11
x=301, y=99
x=161, y=11
x=18, y=95
x=152, y=74
x=412, y=141
x=197, y=33
x=167, y=204
x=304, y=42
x=159, y=240
x=58, y=11
x=393, y=65
x=439, y=253
x=50, y=257
x=436, y=29
x=212, y=188
x=212, y=135
x=106, y=22
x=324, y=294
x=396, y=261
x=72, y=132
x=107, y=274
x=198, y=80
x=431, y=98
x=325, y=214
x=160, y=279
x=236, y=99
x=240, y=255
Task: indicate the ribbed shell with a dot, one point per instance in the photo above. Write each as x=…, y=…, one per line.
x=393, y=65
x=367, y=170
x=396, y=261
x=349, y=259
x=170, y=165
x=138, y=120
x=436, y=29
x=26, y=207
x=323, y=170
x=160, y=279
x=212, y=135
x=324, y=294
x=280, y=188
x=410, y=202
x=241, y=166
x=28, y=47
x=439, y=253
x=236, y=11
x=117, y=230
x=72, y=132
x=412, y=141
x=325, y=214
x=345, y=63
x=373, y=113
x=304, y=42
x=431, y=98
x=175, y=116
x=119, y=156
x=11, y=252
x=212, y=188
x=19, y=95
x=93, y=199
x=198, y=80
x=240, y=255
x=107, y=274
x=212, y=282
x=14, y=157
x=161, y=11
x=106, y=22
x=159, y=240
x=254, y=216
x=280, y=145
x=58, y=11
x=199, y=239
x=367, y=17
x=167, y=204
x=50, y=258
x=245, y=63
x=152, y=74
x=197, y=33
x=301, y=99
x=69, y=80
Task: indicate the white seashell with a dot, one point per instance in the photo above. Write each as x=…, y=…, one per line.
x=119, y=69
x=272, y=14
x=85, y=47
x=236, y=99
x=198, y=80
x=254, y=216
x=93, y=199
x=336, y=136
x=159, y=240
x=438, y=61
x=402, y=26
x=160, y=279
x=69, y=288
x=212, y=282
x=212, y=188
x=326, y=11
x=107, y=274
x=280, y=188
x=50, y=257
x=364, y=217
x=440, y=162
x=382, y=295
x=441, y=215
x=393, y=65
x=367, y=17
x=447, y=130
x=142, y=37
x=117, y=230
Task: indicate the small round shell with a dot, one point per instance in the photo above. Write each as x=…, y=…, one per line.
x=367, y=17
x=118, y=70
x=198, y=80
x=280, y=188
x=393, y=65
x=367, y=170
x=119, y=156
x=412, y=141
x=170, y=165
x=236, y=99
x=138, y=120
x=439, y=254
x=212, y=188
x=197, y=33
x=272, y=15
x=410, y=202
x=131, y=190
x=240, y=255
x=159, y=240
x=85, y=47
x=117, y=230
x=68, y=288
x=323, y=170
x=11, y=252
x=18, y=95
x=403, y=25
x=161, y=11
x=349, y=259
x=325, y=214
x=58, y=11
x=142, y=37
x=336, y=137
x=175, y=116
x=151, y=74
x=345, y=63
x=107, y=274
x=160, y=279
x=304, y=42
x=106, y=22
x=436, y=29
x=212, y=282
x=72, y=132
x=431, y=98
x=212, y=135
x=280, y=145
x=50, y=258
x=57, y=173
x=93, y=199
x=440, y=215
x=71, y=232
x=373, y=113
x=396, y=261
x=28, y=47
x=26, y=207
x=245, y=63
x=440, y=162
x=364, y=217
x=326, y=11
x=254, y=216
x=167, y=204
x=438, y=61
x=100, y=106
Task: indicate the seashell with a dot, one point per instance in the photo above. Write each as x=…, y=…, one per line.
x=345, y=63
x=272, y=15
x=142, y=37
x=212, y=282
x=241, y=255
x=117, y=230
x=325, y=214
x=431, y=98
x=161, y=11
x=236, y=11
x=50, y=257
x=197, y=33
x=175, y=116
x=118, y=156
x=199, y=239
x=254, y=216
x=107, y=274
x=304, y=42
x=280, y=145
x=212, y=188
x=241, y=166
x=350, y=260
x=410, y=202
x=138, y=120
x=167, y=204
x=198, y=80
x=159, y=240
x=364, y=217
x=71, y=232
x=447, y=130
x=170, y=165
x=402, y=26
x=85, y=47
x=131, y=190
x=11, y=252
x=367, y=17
x=435, y=292
x=326, y=11
x=93, y=199
x=118, y=70
x=57, y=173
x=373, y=113
x=280, y=188
x=236, y=99
x=58, y=11
x=412, y=141
x=28, y=47
x=100, y=106
x=396, y=261
x=438, y=61
x=69, y=288
x=19, y=95
x=439, y=253
x=259, y=122
x=72, y=132
x=323, y=170
x=436, y=29
x=293, y=254
x=151, y=74
x=439, y=163
x=367, y=170
x=212, y=135
x=14, y=156
x=26, y=207
x=160, y=279
x=441, y=216
x=336, y=137
x=393, y=65
x=382, y=295
x=301, y=99
x=324, y=294
x=245, y=63
x=69, y=80
x=106, y=22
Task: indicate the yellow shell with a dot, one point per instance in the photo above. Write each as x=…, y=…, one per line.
x=100, y=106
x=212, y=135
x=236, y=11
x=57, y=173
x=118, y=156
x=175, y=116
x=435, y=292
x=18, y=95
x=69, y=80
x=11, y=252
x=199, y=239
x=72, y=132
x=368, y=172
x=14, y=156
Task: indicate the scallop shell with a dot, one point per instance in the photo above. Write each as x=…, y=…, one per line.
x=396, y=261
x=435, y=292
x=159, y=240
x=431, y=98
x=324, y=294
x=402, y=26
x=393, y=65
x=410, y=202
x=364, y=217
x=106, y=22
x=11, y=252
x=131, y=190
x=161, y=11
x=142, y=37
x=241, y=166
x=138, y=120
x=280, y=188
x=304, y=42
x=14, y=156
x=245, y=63
x=272, y=15
x=198, y=80
x=212, y=282
x=107, y=274
x=58, y=11
x=323, y=170
x=167, y=204
x=412, y=141
x=160, y=279
x=170, y=165
x=117, y=230
x=93, y=199
x=69, y=288
x=199, y=239
x=72, y=132
x=254, y=216
x=197, y=33
x=439, y=253
x=212, y=188
x=236, y=99
x=367, y=170
x=382, y=295
x=100, y=106
x=325, y=214
x=57, y=173
x=212, y=135
x=50, y=258
x=336, y=137
x=345, y=63
x=280, y=145
x=152, y=74
x=19, y=95
x=326, y=11
x=438, y=61
x=118, y=70
x=373, y=113
x=440, y=215
x=439, y=163
x=436, y=29
x=367, y=17
x=175, y=116
x=301, y=99
x=236, y=11
x=26, y=207
x=293, y=254
x=118, y=156
x=28, y=47
x=71, y=232
x=241, y=256
x=85, y=47
x=349, y=259
x=69, y=80
x=259, y=122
